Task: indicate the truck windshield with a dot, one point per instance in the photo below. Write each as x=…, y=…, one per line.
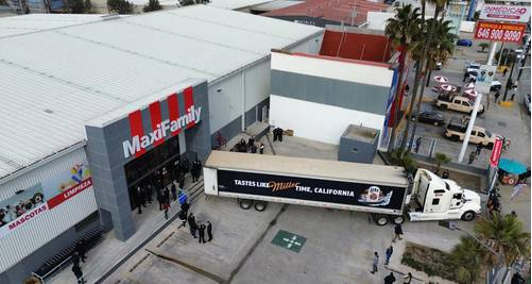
x=488, y=133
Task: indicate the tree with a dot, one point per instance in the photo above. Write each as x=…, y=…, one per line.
x=506, y=236
x=483, y=46
x=88, y=6
x=468, y=257
x=153, y=5
x=442, y=47
x=77, y=6
x=441, y=159
x=402, y=31
x=120, y=6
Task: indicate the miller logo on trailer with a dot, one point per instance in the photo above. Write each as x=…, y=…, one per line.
x=161, y=129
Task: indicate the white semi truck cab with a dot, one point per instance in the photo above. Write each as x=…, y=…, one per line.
x=388, y=193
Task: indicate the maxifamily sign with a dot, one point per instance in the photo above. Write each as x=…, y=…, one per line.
x=160, y=129
x=42, y=197
x=347, y=193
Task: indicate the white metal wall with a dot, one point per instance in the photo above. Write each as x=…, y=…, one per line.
x=44, y=227
x=311, y=46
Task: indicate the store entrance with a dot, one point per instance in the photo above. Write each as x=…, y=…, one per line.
x=149, y=174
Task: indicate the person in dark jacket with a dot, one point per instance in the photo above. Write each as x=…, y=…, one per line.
x=201, y=231
x=251, y=142
x=524, y=176
x=389, y=279
x=261, y=148
x=81, y=249
x=149, y=193
x=173, y=190
x=139, y=199
x=75, y=259
x=389, y=252
x=398, y=230
x=184, y=207
x=181, y=180
x=183, y=218
x=192, y=225
x=517, y=279
x=185, y=166
x=78, y=273
x=209, y=231
x=196, y=170
x=159, y=198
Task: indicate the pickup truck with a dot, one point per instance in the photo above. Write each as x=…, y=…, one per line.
x=456, y=131
x=457, y=103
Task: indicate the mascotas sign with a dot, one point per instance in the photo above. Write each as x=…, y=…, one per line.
x=160, y=129
x=42, y=197
x=499, y=32
x=505, y=13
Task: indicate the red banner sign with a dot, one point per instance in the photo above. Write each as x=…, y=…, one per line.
x=496, y=153
x=69, y=193
x=499, y=32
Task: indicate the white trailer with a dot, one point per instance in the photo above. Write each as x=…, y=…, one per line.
x=387, y=192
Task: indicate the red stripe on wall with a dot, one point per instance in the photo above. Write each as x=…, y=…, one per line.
x=155, y=114
x=189, y=101
x=173, y=108
x=135, y=126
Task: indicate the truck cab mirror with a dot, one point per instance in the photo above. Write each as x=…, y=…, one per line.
x=457, y=196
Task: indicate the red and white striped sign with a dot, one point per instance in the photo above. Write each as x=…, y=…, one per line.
x=160, y=129
x=496, y=153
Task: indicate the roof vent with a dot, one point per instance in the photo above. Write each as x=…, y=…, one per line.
x=49, y=111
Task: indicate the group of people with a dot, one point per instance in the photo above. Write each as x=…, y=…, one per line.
x=250, y=146
x=194, y=226
x=278, y=134
x=77, y=256
x=166, y=194
x=398, y=232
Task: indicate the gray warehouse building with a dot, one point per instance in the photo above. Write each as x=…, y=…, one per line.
x=93, y=106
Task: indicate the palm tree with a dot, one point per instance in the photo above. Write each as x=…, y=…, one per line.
x=402, y=31
x=440, y=50
x=506, y=236
x=468, y=256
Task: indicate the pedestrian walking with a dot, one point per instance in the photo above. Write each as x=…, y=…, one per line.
x=184, y=207
x=78, y=273
x=166, y=203
x=209, y=231
x=390, y=279
x=478, y=149
x=389, y=252
x=375, y=262
x=192, y=225
x=496, y=96
x=398, y=230
x=173, y=190
x=466, y=74
x=407, y=278
x=418, y=143
x=201, y=231
x=183, y=218
x=504, y=71
x=512, y=97
x=472, y=157
x=81, y=249
x=261, y=148
x=251, y=142
x=75, y=259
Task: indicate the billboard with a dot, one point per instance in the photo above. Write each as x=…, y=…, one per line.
x=495, y=12
x=499, y=32
x=485, y=76
x=44, y=196
x=339, y=192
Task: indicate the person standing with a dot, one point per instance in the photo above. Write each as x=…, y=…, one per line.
x=478, y=149
x=183, y=218
x=251, y=142
x=466, y=74
x=496, y=96
x=524, y=176
x=192, y=225
x=78, y=273
x=253, y=149
x=149, y=193
x=138, y=198
x=261, y=148
x=407, y=278
x=375, y=262
x=398, y=230
x=209, y=231
x=185, y=166
x=201, y=231
x=81, y=249
x=159, y=198
x=75, y=259
x=173, y=190
x=504, y=71
x=418, y=143
x=185, y=207
x=472, y=157
x=389, y=252
x=197, y=172
x=181, y=180
x=390, y=279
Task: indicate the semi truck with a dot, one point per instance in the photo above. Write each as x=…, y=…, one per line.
x=388, y=193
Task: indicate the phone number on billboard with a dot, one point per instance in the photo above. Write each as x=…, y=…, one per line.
x=498, y=35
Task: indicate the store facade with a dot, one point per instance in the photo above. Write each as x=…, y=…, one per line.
x=144, y=144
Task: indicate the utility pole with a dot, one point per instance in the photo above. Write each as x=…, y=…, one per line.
x=470, y=127
x=510, y=82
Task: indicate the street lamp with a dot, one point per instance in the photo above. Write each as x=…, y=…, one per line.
x=510, y=83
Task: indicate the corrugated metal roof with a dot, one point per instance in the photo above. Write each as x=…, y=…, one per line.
x=37, y=22
x=55, y=80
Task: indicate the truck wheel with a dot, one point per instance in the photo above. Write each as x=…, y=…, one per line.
x=380, y=220
x=443, y=107
x=468, y=216
x=245, y=203
x=455, y=137
x=260, y=205
x=489, y=146
x=397, y=219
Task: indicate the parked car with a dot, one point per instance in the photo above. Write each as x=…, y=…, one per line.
x=430, y=117
x=457, y=103
x=438, y=66
x=464, y=42
x=526, y=102
x=495, y=86
x=456, y=131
